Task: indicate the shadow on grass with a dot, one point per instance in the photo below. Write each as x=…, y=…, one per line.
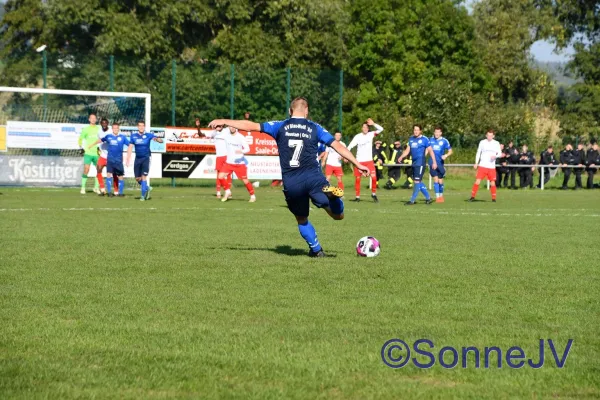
x=284, y=250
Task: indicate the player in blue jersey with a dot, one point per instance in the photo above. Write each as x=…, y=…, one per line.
x=303, y=181
x=439, y=145
x=419, y=147
x=141, y=166
x=114, y=162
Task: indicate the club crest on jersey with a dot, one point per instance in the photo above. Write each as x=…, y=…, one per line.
x=144, y=137
x=119, y=139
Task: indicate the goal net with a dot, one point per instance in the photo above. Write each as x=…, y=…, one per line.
x=41, y=129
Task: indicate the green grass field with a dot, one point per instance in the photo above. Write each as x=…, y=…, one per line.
x=185, y=297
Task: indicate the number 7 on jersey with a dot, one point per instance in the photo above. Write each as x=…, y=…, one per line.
x=297, y=145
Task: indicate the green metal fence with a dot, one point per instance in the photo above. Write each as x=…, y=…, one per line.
x=184, y=90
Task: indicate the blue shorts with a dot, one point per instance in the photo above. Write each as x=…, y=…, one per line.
x=298, y=194
x=440, y=172
x=141, y=166
x=115, y=167
x=417, y=172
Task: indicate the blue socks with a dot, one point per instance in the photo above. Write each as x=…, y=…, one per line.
x=121, y=186
x=109, y=184
x=416, y=187
x=441, y=189
x=419, y=187
x=310, y=235
x=436, y=188
x=424, y=191
x=144, y=188
x=336, y=205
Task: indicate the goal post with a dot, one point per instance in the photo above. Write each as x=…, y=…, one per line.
x=42, y=127
x=92, y=93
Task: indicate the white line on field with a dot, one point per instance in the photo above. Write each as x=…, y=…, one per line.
x=490, y=213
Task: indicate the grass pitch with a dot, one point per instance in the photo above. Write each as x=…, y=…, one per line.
x=185, y=297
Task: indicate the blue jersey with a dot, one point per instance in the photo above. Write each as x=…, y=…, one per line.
x=141, y=141
x=439, y=147
x=418, y=146
x=115, y=146
x=297, y=142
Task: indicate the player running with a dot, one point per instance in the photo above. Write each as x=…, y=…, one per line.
x=297, y=140
x=439, y=145
x=114, y=163
x=87, y=140
x=141, y=166
x=332, y=162
x=418, y=147
x=485, y=164
x=236, y=146
x=364, y=155
x=219, y=135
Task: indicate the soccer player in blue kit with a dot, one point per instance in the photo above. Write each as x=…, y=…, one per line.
x=114, y=162
x=419, y=147
x=439, y=145
x=297, y=140
x=141, y=166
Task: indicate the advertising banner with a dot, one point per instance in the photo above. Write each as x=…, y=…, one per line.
x=3, y=146
x=40, y=171
x=189, y=140
x=202, y=166
x=55, y=170
x=48, y=135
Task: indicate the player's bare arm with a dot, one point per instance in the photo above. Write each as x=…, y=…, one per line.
x=448, y=154
x=129, y=149
x=344, y=152
x=432, y=155
x=157, y=139
x=403, y=155
x=238, y=124
x=94, y=144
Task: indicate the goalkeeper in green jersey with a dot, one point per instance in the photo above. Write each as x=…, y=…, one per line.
x=87, y=138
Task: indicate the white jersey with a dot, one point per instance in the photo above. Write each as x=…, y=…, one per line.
x=220, y=145
x=104, y=145
x=364, y=144
x=333, y=158
x=487, y=152
x=236, y=148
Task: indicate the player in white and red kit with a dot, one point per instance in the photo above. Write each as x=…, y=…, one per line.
x=236, y=148
x=333, y=162
x=364, y=154
x=485, y=164
x=103, y=154
x=220, y=135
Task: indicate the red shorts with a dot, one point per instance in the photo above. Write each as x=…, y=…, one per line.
x=368, y=164
x=331, y=170
x=483, y=173
x=240, y=170
x=101, y=163
x=221, y=161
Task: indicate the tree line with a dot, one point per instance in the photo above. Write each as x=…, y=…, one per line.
x=433, y=62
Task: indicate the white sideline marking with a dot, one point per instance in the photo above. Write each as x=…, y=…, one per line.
x=490, y=213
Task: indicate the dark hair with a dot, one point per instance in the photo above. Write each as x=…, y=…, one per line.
x=93, y=113
x=551, y=147
x=418, y=126
x=141, y=121
x=104, y=120
x=115, y=123
x=491, y=131
x=438, y=128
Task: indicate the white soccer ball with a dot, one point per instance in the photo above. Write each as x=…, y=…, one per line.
x=368, y=246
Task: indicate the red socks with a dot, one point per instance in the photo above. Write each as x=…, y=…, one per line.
x=250, y=188
x=474, y=190
x=493, y=190
x=116, y=183
x=100, y=180
x=340, y=184
x=373, y=184
x=357, y=186
x=225, y=184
